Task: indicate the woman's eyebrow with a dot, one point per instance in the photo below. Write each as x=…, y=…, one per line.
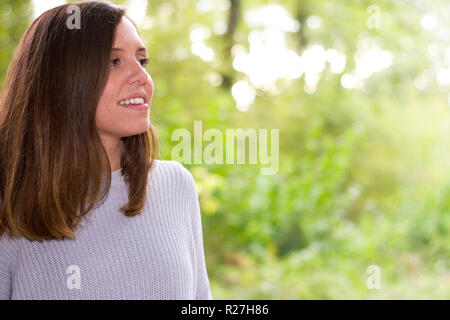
x=138, y=50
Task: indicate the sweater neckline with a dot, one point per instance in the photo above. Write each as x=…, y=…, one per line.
x=116, y=177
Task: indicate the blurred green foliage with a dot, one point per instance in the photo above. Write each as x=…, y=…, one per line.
x=364, y=176
x=15, y=17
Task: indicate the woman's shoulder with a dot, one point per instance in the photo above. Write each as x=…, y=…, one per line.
x=172, y=172
x=171, y=166
x=8, y=247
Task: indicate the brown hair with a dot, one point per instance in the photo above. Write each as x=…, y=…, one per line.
x=52, y=161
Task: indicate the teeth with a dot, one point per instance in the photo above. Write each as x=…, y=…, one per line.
x=132, y=101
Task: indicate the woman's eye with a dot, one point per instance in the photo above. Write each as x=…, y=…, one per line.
x=144, y=62
x=113, y=60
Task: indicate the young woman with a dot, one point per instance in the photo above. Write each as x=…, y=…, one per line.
x=87, y=211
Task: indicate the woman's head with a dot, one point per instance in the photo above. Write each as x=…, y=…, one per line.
x=127, y=79
x=58, y=107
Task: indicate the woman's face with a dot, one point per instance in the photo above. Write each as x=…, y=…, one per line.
x=128, y=78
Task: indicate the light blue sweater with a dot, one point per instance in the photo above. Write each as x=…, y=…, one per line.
x=157, y=254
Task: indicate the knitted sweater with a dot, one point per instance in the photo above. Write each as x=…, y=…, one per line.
x=157, y=254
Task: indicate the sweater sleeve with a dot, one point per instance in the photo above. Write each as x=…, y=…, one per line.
x=203, y=287
x=7, y=261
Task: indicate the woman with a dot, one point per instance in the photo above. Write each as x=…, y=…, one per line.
x=87, y=212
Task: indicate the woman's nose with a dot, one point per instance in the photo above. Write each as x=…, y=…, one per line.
x=140, y=75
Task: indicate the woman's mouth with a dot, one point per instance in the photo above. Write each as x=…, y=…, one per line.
x=134, y=104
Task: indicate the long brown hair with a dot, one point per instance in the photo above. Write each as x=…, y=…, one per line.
x=52, y=161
